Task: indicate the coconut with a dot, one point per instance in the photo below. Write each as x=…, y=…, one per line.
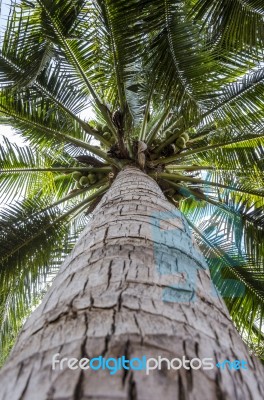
x=185, y=136
x=76, y=175
x=84, y=181
x=92, y=178
x=177, y=197
x=180, y=142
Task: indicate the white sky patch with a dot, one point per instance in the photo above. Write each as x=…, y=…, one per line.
x=87, y=114
x=11, y=135
x=5, y=9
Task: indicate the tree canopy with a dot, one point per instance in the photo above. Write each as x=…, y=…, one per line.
x=175, y=87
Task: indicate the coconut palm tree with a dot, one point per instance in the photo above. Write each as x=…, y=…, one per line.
x=140, y=188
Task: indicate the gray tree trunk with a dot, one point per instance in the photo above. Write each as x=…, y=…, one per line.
x=135, y=285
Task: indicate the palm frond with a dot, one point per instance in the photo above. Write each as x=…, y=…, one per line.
x=237, y=273
x=232, y=24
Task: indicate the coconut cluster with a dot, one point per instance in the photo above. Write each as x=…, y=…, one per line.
x=172, y=148
x=106, y=133
x=84, y=179
x=181, y=141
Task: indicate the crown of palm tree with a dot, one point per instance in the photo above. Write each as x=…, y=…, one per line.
x=175, y=87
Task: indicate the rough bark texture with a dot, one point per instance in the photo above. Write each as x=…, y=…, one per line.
x=109, y=299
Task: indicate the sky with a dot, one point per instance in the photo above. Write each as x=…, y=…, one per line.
x=4, y=13
x=10, y=133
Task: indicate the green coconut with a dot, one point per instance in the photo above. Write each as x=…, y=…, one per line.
x=177, y=197
x=79, y=186
x=92, y=178
x=185, y=136
x=76, y=175
x=84, y=181
x=180, y=142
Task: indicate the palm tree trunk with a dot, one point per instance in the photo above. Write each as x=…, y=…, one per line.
x=135, y=285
